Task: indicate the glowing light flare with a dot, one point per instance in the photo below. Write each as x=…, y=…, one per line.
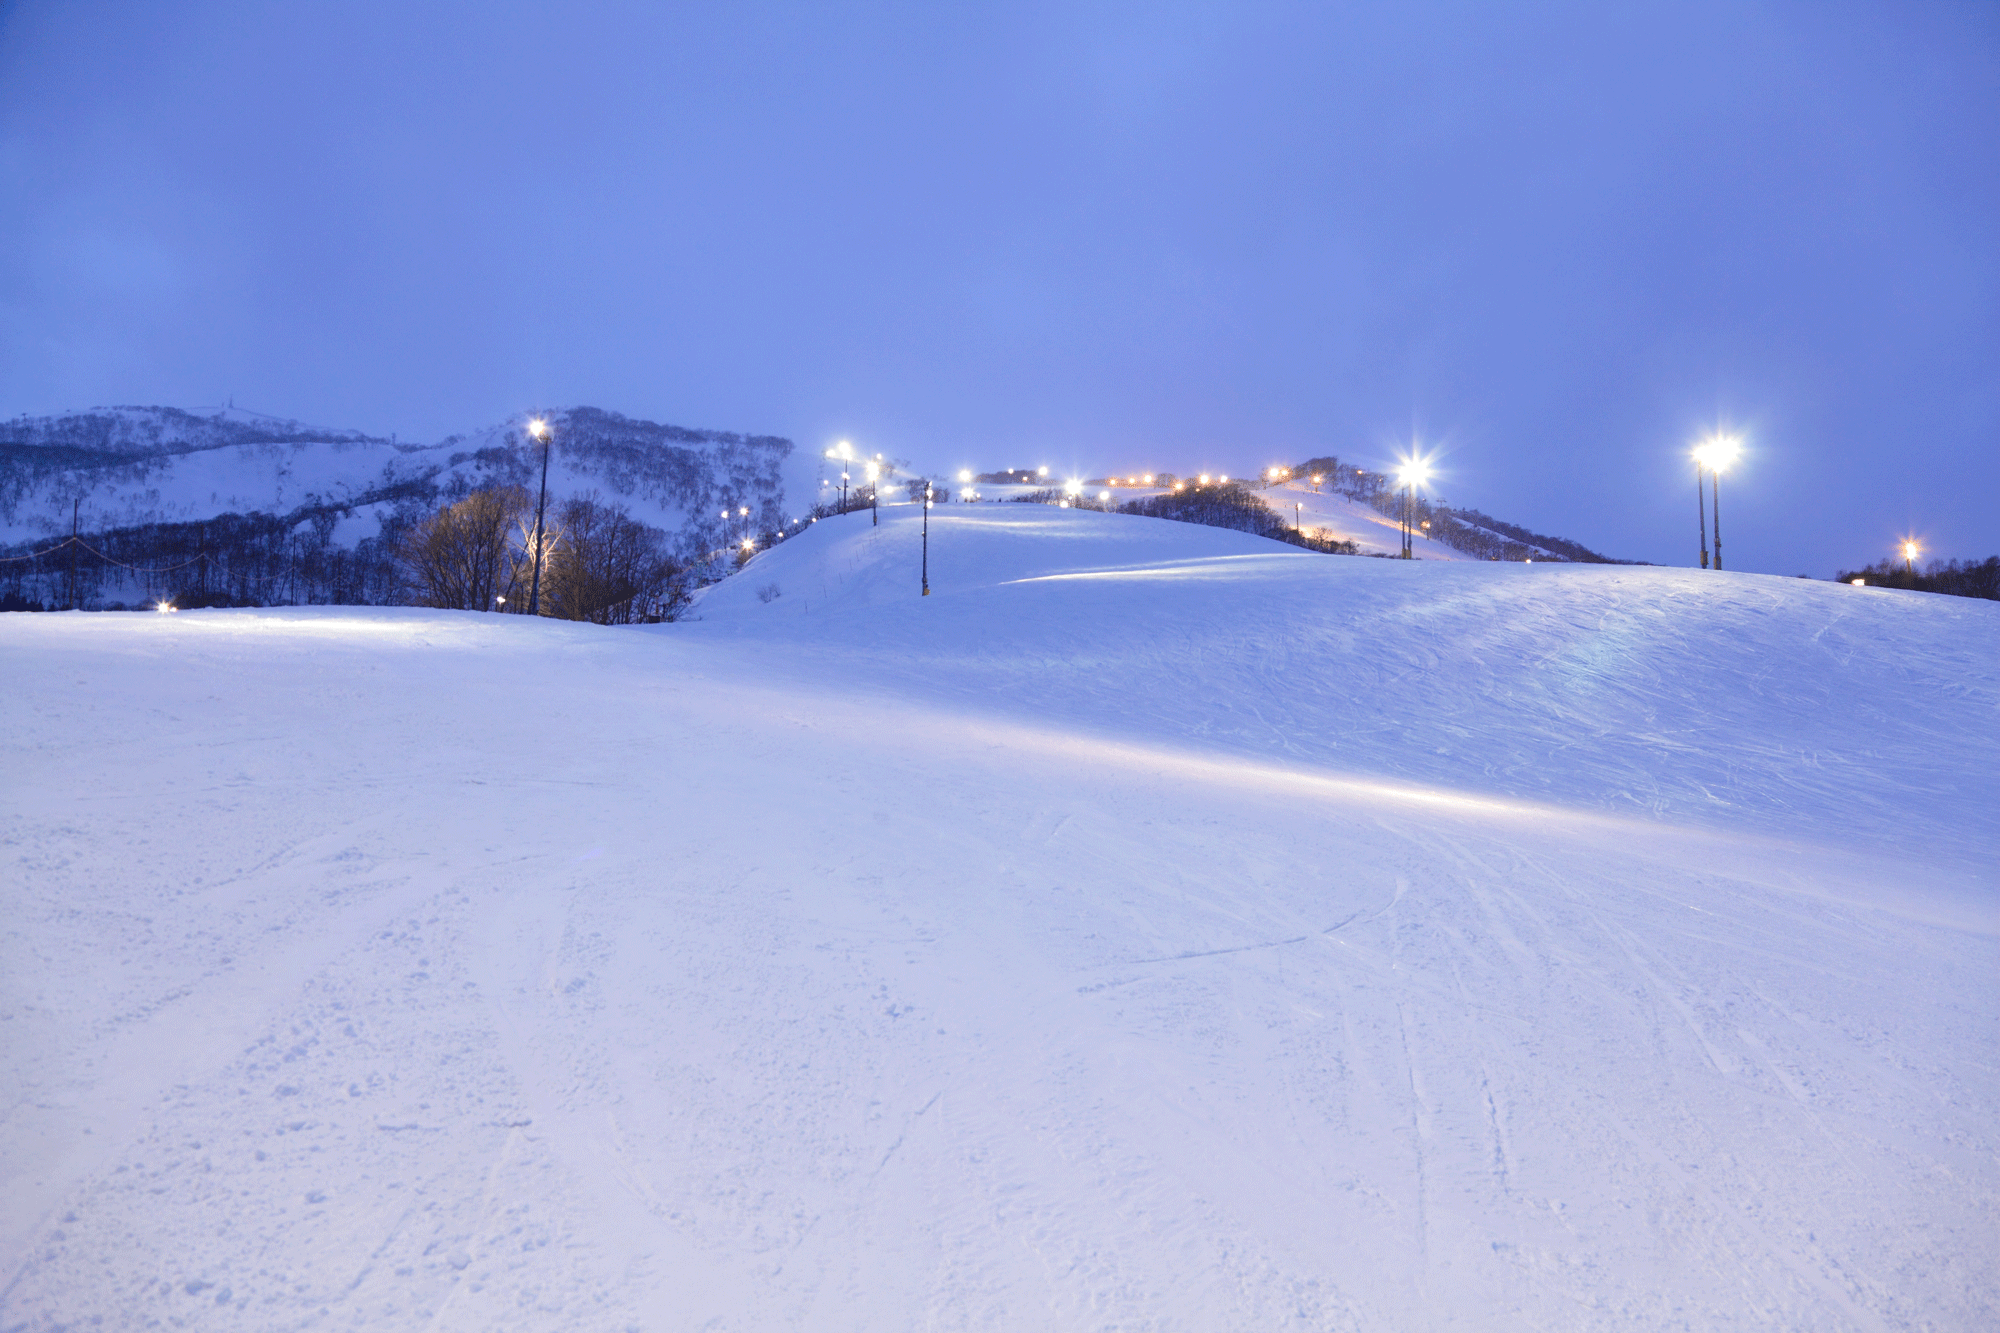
x=165, y=608
x=1910, y=550
x=538, y=428
x=965, y=474
x=1718, y=452
x=1148, y=479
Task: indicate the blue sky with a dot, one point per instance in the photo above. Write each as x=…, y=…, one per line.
x=1554, y=243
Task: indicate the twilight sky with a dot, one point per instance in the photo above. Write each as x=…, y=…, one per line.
x=1553, y=243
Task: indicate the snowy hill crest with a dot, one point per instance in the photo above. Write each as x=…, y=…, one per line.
x=129, y=466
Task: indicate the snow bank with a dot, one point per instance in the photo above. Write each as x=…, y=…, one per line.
x=1155, y=927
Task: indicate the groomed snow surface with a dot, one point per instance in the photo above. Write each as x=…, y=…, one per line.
x=1155, y=928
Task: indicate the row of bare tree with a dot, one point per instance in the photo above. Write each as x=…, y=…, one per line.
x=598, y=563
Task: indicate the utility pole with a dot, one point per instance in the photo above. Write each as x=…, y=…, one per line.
x=927, y=539
x=76, y=508
x=1298, y=517
x=540, y=430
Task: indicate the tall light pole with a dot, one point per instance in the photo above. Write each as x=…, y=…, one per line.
x=927, y=539
x=1413, y=473
x=1715, y=508
x=1718, y=453
x=1701, y=504
x=540, y=430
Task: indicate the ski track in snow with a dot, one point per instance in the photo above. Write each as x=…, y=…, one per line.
x=1148, y=931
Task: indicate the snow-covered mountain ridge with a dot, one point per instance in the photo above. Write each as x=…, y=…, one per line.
x=132, y=466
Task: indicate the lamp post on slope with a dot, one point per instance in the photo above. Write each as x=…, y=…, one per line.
x=540, y=430
x=927, y=539
x=1413, y=473
x=1701, y=506
x=1718, y=453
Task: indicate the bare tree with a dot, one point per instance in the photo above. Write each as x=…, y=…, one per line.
x=605, y=566
x=461, y=557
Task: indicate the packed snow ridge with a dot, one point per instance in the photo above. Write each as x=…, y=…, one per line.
x=1154, y=927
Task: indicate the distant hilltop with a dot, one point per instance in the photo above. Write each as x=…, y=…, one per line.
x=248, y=508
x=125, y=467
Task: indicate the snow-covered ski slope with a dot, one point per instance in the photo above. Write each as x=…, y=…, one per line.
x=1330, y=514
x=1323, y=513
x=1154, y=928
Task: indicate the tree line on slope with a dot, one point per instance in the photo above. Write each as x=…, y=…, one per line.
x=474, y=553
x=598, y=563
x=253, y=559
x=1972, y=578
x=1227, y=505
